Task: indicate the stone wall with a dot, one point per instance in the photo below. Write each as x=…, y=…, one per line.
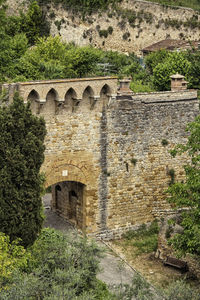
x=138, y=164
x=113, y=157
x=126, y=38
x=147, y=29
x=118, y=151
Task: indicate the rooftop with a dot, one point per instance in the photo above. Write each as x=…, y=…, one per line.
x=171, y=44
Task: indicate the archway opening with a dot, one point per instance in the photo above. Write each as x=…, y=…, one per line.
x=105, y=93
x=88, y=95
x=49, y=107
x=73, y=202
x=67, y=200
x=58, y=191
x=70, y=100
x=33, y=98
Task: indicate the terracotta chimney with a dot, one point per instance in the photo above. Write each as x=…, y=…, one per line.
x=178, y=83
x=124, y=88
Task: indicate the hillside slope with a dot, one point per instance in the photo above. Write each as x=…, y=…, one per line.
x=134, y=25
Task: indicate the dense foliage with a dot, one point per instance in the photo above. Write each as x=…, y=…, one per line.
x=12, y=257
x=187, y=194
x=194, y=4
x=33, y=23
x=50, y=58
x=21, y=155
x=162, y=64
x=57, y=266
x=17, y=33
x=175, y=62
x=83, y=6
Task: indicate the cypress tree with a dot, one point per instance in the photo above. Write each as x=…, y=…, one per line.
x=21, y=155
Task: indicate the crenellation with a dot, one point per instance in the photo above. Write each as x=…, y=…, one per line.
x=104, y=150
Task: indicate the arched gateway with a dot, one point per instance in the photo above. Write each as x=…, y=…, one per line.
x=74, y=183
x=104, y=157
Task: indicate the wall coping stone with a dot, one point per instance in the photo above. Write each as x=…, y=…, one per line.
x=65, y=80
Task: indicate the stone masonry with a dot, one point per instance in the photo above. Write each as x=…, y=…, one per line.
x=107, y=153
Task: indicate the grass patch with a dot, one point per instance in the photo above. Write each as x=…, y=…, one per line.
x=145, y=240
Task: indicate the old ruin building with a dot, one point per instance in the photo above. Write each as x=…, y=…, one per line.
x=107, y=150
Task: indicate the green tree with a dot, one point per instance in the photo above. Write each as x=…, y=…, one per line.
x=34, y=23
x=187, y=194
x=21, y=155
x=155, y=58
x=2, y=15
x=175, y=62
x=47, y=60
x=194, y=59
x=83, y=60
x=11, y=49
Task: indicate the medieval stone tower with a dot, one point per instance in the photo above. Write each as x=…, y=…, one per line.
x=107, y=150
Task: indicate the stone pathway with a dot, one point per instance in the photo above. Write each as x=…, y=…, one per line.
x=113, y=269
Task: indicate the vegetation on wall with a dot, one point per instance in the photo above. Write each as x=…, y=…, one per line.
x=33, y=23
x=194, y=4
x=83, y=6
x=21, y=156
x=127, y=15
x=186, y=194
x=50, y=58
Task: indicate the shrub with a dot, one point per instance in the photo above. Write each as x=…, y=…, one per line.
x=110, y=29
x=138, y=86
x=164, y=142
x=147, y=245
x=52, y=15
x=142, y=231
x=171, y=173
x=103, y=33
x=134, y=161
x=12, y=257
x=180, y=290
x=60, y=267
x=139, y=289
x=58, y=24
x=126, y=35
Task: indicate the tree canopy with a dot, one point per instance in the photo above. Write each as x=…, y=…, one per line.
x=21, y=155
x=27, y=52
